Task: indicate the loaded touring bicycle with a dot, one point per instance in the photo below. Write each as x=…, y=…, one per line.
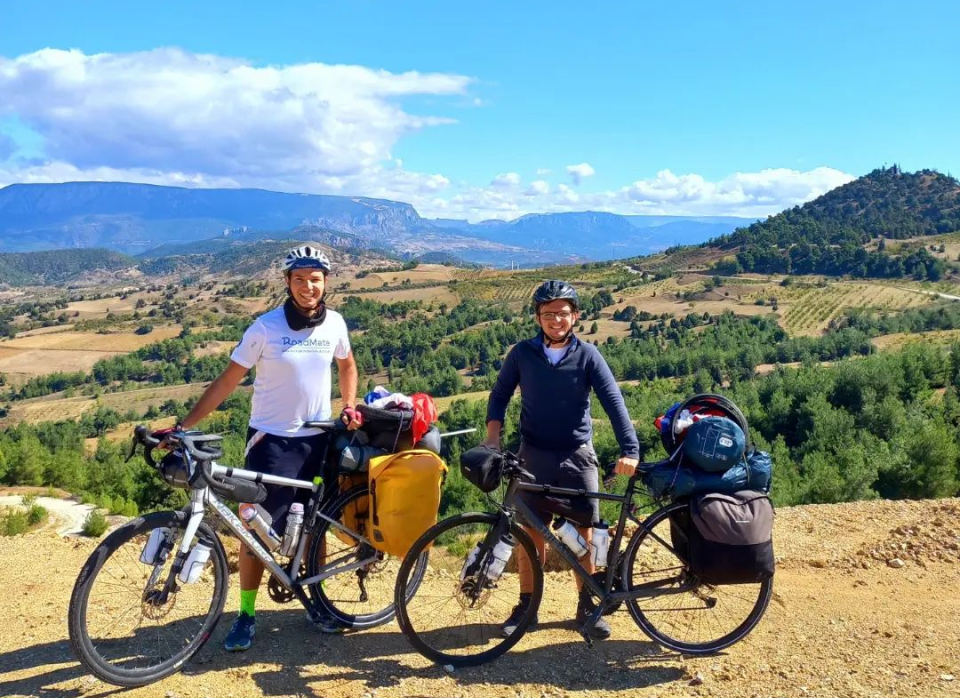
x=152, y=592
x=696, y=575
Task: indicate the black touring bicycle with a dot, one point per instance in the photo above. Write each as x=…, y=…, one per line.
x=686, y=592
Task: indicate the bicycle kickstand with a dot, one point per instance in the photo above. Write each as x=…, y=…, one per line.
x=588, y=626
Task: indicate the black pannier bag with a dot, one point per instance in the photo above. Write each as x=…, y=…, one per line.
x=730, y=537
x=391, y=430
x=482, y=466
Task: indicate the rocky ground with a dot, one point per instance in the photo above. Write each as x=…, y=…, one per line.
x=867, y=604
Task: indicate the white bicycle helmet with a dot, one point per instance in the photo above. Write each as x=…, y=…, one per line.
x=305, y=257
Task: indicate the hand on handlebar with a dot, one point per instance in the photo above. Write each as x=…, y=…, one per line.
x=626, y=466
x=352, y=418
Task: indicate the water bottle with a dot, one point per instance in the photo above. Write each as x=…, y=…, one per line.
x=499, y=557
x=195, y=562
x=256, y=522
x=152, y=548
x=570, y=537
x=600, y=544
x=291, y=535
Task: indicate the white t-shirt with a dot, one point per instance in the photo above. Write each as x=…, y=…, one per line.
x=293, y=370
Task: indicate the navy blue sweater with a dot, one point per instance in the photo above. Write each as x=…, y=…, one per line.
x=555, y=400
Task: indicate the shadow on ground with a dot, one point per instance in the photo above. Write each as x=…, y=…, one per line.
x=376, y=659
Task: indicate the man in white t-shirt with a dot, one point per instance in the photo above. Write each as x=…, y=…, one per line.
x=293, y=348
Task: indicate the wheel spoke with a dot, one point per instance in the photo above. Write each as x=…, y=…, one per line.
x=128, y=638
x=676, y=609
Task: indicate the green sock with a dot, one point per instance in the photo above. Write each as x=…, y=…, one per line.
x=248, y=601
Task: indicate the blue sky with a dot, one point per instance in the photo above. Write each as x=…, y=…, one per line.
x=479, y=110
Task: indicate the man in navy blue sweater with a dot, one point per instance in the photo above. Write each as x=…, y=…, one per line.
x=556, y=372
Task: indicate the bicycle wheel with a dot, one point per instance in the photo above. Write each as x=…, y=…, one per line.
x=676, y=609
x=447, y=620
x=361, y=598
x=119, y=628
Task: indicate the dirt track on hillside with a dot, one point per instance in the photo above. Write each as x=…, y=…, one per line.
x=844, y=623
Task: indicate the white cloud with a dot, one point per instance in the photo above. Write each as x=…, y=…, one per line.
x=537, y=188
x=211, y=117
x=749, y=194
x=173, y=117
x=580, y=172
x=504, y=181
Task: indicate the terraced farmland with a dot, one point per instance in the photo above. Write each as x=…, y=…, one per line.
x=809, y=309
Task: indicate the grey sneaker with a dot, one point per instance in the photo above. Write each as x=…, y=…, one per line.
x=513, y=622
x=324, y=622
x=601, y=629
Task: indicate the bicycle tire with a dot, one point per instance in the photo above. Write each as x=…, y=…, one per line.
x=86, y=649
x=403, y=598
x=324, y=593
x=643, y=620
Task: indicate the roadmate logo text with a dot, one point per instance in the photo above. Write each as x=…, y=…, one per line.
x=319, y=343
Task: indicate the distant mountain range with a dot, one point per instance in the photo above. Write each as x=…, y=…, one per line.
x=135, y=218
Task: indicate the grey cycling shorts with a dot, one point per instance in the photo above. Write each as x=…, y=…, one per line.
x=577, y=469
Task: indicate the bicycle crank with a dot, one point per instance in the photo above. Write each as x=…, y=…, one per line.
x=280, y=593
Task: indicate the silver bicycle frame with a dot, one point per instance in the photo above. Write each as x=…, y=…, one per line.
x=202, y=498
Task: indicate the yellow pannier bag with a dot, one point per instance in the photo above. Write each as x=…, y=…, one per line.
x=404, y=498
x=356, y=515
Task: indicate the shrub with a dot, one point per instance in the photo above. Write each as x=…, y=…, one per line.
x=36, y=515
x=95, y=525
x=13, y=523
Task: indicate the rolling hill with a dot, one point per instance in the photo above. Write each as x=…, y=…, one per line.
x=828, y=235
x=55, y=266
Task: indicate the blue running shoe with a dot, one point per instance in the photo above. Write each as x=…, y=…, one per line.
x=241, y=634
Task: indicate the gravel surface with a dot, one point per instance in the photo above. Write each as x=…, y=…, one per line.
x=845, y=622
x=69, y=514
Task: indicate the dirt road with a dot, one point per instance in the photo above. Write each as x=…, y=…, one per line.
x=68, y=513
x=845, y=623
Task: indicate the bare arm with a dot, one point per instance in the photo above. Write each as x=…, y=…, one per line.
x=347, y=370
x=216, y=393
x=493, y=433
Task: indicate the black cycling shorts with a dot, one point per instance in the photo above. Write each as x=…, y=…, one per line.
x=296, y=457
x=576, y=469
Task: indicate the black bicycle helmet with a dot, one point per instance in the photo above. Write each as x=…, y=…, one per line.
x=555, y=290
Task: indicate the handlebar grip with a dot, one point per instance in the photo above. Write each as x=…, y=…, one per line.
x=328, y=424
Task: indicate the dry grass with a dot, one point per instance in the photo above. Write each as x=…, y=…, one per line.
x=434, y=294
x=901, y=339
x=38, y=362
x=92, y=341
x=53, y=329
x=213, y=348
x=56, y=408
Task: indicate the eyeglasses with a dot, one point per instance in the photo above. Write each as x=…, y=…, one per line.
x=562, y=315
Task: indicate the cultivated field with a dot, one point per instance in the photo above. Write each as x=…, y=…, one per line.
x=901, y=339
x=808, y=310
x=52, y=408
x=92, y=341
x=27, y=363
